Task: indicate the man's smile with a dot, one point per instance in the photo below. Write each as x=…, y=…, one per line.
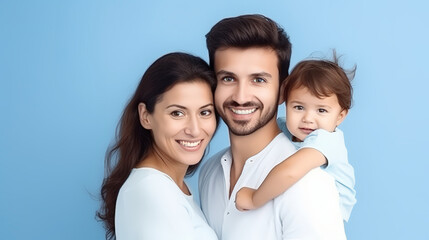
x=243, y=111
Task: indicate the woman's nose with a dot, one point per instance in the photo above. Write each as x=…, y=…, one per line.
x=193, y=127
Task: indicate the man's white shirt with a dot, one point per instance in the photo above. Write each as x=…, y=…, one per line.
x=308, y=210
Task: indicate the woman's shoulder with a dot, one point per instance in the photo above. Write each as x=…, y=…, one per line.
x=149, y=181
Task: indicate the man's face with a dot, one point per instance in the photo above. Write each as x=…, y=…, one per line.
x=247, y=90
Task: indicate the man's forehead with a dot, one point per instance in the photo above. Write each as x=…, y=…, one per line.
x=247, y=61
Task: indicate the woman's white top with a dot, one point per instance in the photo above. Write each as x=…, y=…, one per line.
x=150, y=205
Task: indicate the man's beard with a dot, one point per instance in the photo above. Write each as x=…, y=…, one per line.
x=243, y=127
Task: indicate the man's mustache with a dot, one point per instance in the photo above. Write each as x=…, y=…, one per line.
x=236, y=104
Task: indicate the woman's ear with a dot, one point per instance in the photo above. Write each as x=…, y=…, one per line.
x=342, y=116
x=144, y=116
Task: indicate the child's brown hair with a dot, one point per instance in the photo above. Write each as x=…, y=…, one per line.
x=322, y=78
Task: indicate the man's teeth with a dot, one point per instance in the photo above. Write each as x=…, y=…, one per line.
x=190, y=144
x=246, y=111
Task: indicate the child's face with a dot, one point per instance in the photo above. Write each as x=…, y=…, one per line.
x=306, y=113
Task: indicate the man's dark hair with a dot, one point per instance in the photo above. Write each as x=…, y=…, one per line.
x=247, y=31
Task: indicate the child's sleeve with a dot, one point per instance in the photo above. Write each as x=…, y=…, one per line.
x=281, y=122
x=332, y=146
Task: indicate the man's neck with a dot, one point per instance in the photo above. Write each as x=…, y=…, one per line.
x=244, y=147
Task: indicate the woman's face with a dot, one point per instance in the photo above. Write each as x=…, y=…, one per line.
x=183, y=123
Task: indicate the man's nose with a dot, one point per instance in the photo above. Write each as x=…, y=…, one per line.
x=241, y=93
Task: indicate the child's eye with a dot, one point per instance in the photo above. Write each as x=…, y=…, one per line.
x=322, y=110
x=299, y=107
x=206, y=113
x=177, y=114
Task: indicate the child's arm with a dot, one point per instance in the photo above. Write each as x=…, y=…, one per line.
x=280, y=178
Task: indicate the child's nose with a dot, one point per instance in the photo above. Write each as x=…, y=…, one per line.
x=307, y=118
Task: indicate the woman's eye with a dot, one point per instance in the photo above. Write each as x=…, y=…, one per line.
x=206, y=113
x=177, y=114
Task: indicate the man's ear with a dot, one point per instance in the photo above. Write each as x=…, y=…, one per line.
x=281, y=93
x=342, y=116
x=144, y=116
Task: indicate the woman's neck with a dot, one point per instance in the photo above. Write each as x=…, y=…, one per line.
x=177, y=172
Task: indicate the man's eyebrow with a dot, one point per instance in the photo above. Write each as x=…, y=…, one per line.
x=258, y=74
x=224, y=72
x=262, y=74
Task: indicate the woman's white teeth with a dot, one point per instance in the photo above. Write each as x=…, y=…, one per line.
x=246, y=111
x=190, y=144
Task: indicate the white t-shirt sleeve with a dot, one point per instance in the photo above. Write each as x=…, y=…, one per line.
x=152, y=209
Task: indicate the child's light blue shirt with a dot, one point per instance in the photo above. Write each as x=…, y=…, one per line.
x=332, y=146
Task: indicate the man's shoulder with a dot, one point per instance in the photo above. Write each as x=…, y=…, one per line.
x=214, y=160
x=315, y=184
x=317, y=176
x=283, y=140
x=279, y=149
x=210, y=165
x=311, y=208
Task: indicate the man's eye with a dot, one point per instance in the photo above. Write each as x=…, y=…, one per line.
x=227, y=79
x=259, y=80
x=177, y=114
x=206, y=113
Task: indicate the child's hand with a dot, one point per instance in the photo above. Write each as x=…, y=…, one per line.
x=244, y=199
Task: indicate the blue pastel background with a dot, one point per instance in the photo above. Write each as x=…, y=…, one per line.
x=67, y=68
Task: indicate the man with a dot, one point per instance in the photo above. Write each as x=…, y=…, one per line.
x=250, y=55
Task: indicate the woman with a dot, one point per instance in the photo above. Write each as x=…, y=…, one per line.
x=162, y=136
